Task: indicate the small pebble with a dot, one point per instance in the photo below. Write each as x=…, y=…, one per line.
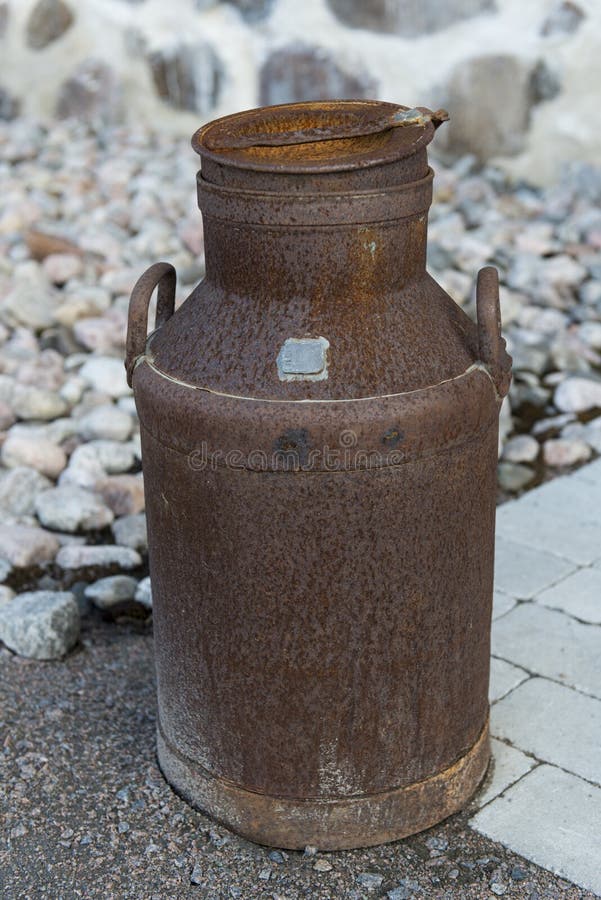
x=369, y=879
x=196, y=874
x=42, y=455
x=576, y=394
x=143, y=594
x=69, y=508
x=24, y=545
x=106, y=375
x=322, y=865
x=521, y=449
x=518, y=873
x=130, y=531
x=108, y=592
x=514, y=477
x=561, y=452
x=101, y=556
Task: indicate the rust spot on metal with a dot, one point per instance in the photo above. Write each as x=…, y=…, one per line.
x=351, y=123
x=321, y=549
x=393, y=436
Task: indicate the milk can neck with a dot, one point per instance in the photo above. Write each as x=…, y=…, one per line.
x=272, y=244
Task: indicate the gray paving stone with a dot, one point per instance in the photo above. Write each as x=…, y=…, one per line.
x=508, y=766
x=554, y=723
x=547, y=642
x=552, y=818
x=522, y=571
x=578, y=595
x=590, y=474
x=504, y=677
x=559, y=518
x=501, y=604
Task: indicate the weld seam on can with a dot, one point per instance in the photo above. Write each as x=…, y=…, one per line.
x=322, y=798
x=413, y=457
x=336, y=208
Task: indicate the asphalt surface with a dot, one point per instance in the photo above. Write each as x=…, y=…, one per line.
x=86, y=813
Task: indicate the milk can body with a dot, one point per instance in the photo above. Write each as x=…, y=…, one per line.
x=319, y=436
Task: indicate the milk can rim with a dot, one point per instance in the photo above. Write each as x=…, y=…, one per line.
x=339, y=153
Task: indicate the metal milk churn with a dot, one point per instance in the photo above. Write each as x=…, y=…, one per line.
x=319, y=437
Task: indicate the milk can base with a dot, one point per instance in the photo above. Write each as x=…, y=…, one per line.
x=340, y=824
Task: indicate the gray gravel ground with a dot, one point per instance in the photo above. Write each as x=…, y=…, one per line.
x=86, y=813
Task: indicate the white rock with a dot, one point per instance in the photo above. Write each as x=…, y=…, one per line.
x=107, y=592
x=44, y=456
x=6, y=593
x=24, y=545
x=560, y=452
x=144, y=593
x=30, y=402
x=60, y=267
x=513, y=476
x=78, y=557
x=521, y=449
x=128, y=405
x=18, y=489
x=106, y=422
x=578, y=394
x=107, y=375
x=40, y=624
x=590, y=333
x=84, y=469
x=70, y=508
x=123, y=493
x=505, y=422
x=114, y=457
x=56, y=432
x=130, y=531
x=7, y=416
x=101, y=334
x=592, y=434
x=72, y=390
x=32, y=301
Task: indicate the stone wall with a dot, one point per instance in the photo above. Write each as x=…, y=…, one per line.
x=521, y=78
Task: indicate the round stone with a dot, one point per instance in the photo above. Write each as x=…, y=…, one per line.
x=560, y=452
x=144, y=593
x=70, y=508
x=578, y=394
x=105, y=422
x=522, y=448
x=513, y=477
x=19, y=488
x=106, y=375
x=26, y=545
x=108, y=592
x=40, y=624
x=130, y=531
x=42, y=455
x=101, y=556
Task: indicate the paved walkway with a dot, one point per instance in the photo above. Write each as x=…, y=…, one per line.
x=544, y=798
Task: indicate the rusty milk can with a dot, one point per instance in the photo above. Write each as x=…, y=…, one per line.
x=319, y=437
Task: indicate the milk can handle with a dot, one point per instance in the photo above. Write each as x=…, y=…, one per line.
x=491, y=344
x=163, y=275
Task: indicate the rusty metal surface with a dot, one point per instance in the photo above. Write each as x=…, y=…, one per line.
x=358, y=122
x=161, y=275
x=338, y=825
x=321, y=548
x=348, y=134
